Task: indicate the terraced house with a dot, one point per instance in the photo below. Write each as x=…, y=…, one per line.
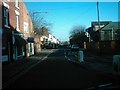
x=17, y=31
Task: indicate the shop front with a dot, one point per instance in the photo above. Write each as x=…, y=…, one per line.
x=19, y=47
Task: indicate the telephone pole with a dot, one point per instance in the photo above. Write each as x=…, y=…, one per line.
x=98, y=15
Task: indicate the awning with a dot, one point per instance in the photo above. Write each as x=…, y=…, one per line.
x=30, y=39
x=19, y=41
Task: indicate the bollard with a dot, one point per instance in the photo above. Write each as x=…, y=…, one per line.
x=116, y=63
x=80, y=56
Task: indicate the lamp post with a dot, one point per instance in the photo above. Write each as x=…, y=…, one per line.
x=98, y=12
x=98, y=15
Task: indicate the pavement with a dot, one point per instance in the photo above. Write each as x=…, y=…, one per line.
x=10, y=70
x=102, y=64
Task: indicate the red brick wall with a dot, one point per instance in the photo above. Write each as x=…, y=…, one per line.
x=26, y=20
x=21, y=16
x=31, y=28
x=110, y=47
x=105, y=47
x=12, y=15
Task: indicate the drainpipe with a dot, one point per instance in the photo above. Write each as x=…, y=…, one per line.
x=112, y=34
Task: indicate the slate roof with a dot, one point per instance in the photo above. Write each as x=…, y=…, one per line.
x=111, y=25
x=94, y=23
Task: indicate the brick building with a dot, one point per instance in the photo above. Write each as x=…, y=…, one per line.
x=28, y=31
x=17, y=41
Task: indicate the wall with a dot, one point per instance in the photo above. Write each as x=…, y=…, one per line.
x=104, y=47
x=8, y=38
x=12, y=15
x=110, y=47
x=26, y=22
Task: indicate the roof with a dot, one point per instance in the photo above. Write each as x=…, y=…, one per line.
x=111, y=25
x=94, y=23
x=89, y=29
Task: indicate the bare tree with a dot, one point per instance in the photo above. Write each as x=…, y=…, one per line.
x=77, y=35
x=77, y=30
x=40, y=24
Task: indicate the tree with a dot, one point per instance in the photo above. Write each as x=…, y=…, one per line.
x=77, y=35
x=40, y=25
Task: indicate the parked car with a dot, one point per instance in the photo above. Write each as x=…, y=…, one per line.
x=74, y=47
x=69, y=47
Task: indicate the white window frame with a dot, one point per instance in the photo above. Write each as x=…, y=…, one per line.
x=5, y=16
x=17, y=20
x=5, y=5
x=26, y=27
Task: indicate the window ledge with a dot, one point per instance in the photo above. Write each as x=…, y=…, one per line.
x=6, y=26
x=18, y=30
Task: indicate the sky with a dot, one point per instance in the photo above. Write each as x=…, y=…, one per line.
x=65, y=15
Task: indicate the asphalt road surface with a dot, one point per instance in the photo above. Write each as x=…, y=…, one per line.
x=57, y=72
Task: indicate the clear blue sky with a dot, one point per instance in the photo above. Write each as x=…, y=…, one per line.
x=65, y=15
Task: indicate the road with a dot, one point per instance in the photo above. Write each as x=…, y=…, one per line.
x=55, y=71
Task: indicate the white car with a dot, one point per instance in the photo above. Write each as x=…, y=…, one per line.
x=74, y=47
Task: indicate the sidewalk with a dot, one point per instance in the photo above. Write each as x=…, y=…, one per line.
x=9, y=70
x=102, y=64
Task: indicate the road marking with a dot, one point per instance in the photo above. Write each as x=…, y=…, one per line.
x=104, y=85
x=12, y=80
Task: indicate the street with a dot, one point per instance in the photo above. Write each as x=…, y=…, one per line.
x=60, y=44
x=55, y=71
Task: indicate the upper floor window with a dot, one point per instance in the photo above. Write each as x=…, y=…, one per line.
x=26, y=27
x=17, y=4
x=5, y=16
x=17, y=20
